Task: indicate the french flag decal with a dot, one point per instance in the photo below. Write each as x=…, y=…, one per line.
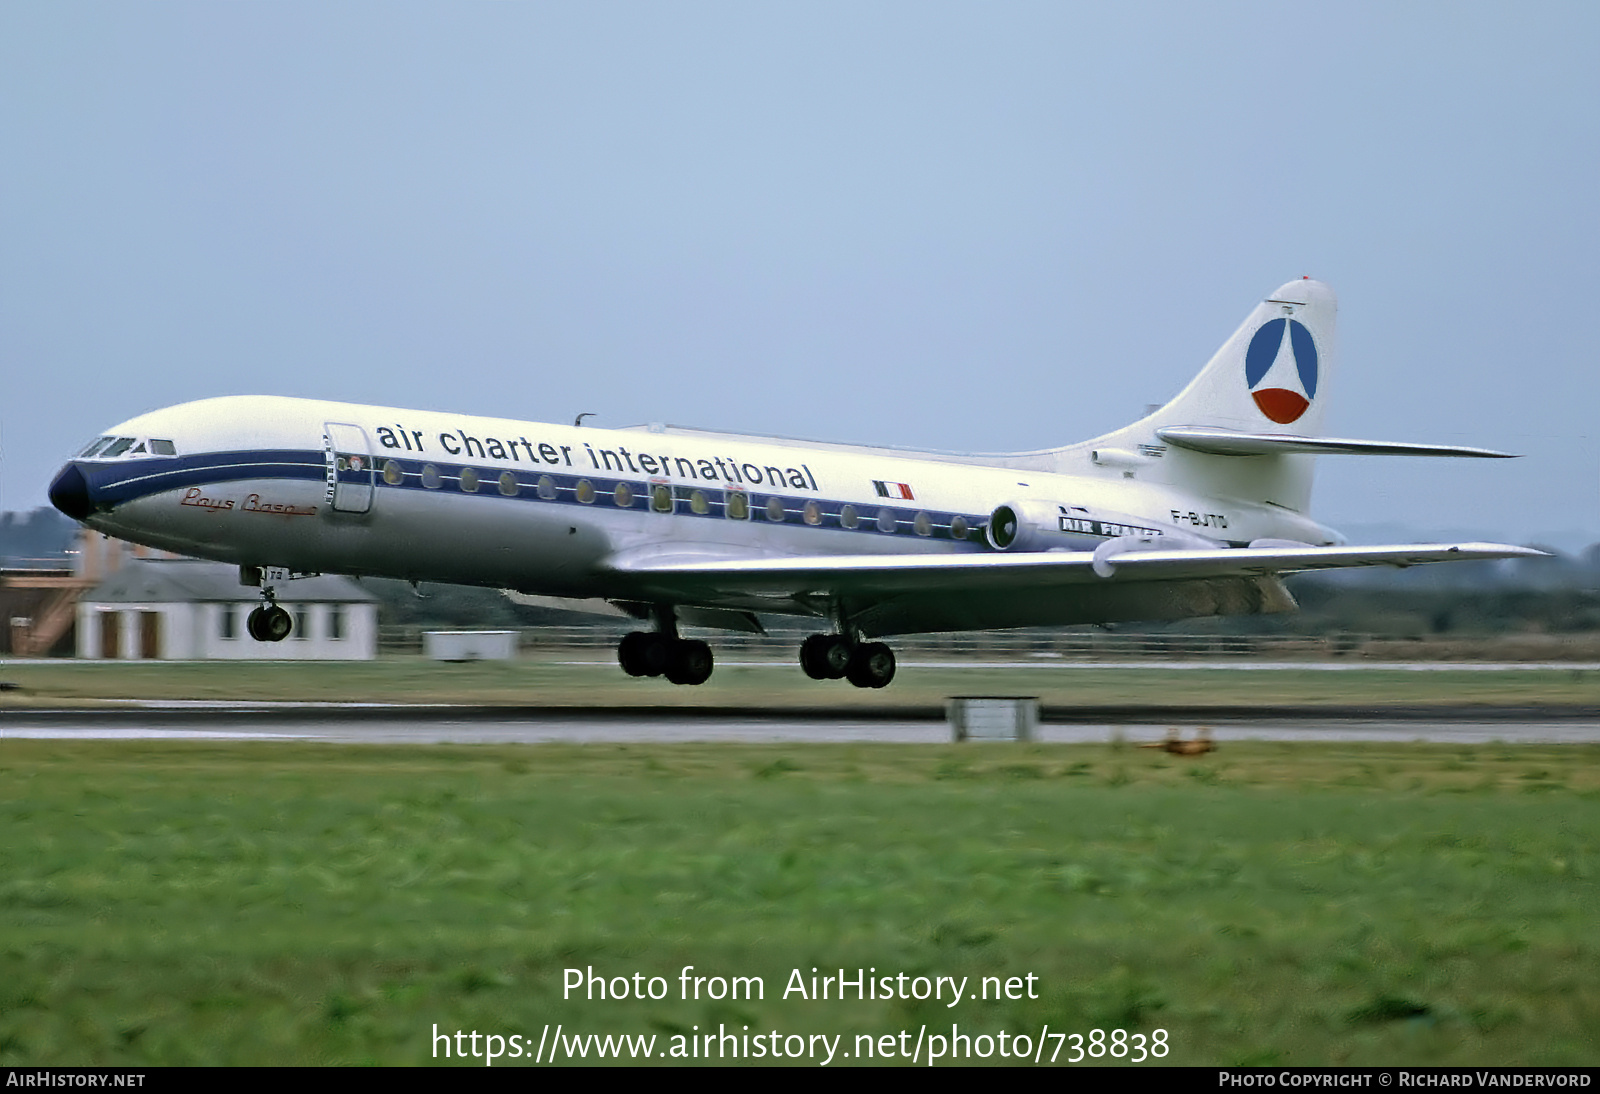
x=893, y=490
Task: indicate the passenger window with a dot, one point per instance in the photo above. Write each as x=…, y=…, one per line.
x=623, y=495
x=430, y=476
x=812, y=513
x=775, y=510
x=922, y=525
x=738, y=505
x=848, y=517
x=547, y=488
x=886, y=520
x=698, y=504
x=661, y=498
x=469, y=480
x=958, y=528
x=509, y=486
x=392, y=473
x=585, y=491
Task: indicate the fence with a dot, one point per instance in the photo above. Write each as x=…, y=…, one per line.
x=600, y=641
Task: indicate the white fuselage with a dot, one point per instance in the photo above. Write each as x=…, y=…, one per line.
x=321, y=487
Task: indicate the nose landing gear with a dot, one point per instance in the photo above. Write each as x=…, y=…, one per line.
x=269, y=623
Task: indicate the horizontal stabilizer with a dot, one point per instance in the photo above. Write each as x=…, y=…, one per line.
x=1226, y=442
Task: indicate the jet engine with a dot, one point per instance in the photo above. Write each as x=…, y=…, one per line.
x=1049, y=525
x=1027, y=526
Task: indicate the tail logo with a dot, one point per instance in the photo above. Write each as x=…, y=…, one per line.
x=1281, y=368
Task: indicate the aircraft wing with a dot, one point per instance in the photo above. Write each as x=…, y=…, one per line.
x=873, y=576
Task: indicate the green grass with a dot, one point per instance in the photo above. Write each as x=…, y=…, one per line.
x=534, y=682
x=1285, y=904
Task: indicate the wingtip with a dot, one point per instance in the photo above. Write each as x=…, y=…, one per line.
x=1503, y=550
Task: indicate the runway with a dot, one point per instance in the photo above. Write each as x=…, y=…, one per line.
x=378, y=724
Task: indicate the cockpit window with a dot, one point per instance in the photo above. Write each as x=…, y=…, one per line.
x=110, y=448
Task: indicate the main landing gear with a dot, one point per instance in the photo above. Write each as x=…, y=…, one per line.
x=663, y=653
x=839, y=657
x=269, y=623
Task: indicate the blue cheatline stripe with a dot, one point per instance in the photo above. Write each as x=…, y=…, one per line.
x=566, y=488
x=120, y=481
x=117, y=482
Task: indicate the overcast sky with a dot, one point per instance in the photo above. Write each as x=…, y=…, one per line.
x=985, y=226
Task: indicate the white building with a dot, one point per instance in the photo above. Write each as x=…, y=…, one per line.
x=187, y=610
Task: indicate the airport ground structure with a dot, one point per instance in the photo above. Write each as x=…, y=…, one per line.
x=100, y=598
x=1046, y=646
x=182, y=609
x=42, y=583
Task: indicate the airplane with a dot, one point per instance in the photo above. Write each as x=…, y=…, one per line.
x=1197, y=509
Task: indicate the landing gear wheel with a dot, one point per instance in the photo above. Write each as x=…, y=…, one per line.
x=630, y=653
x=690, y=662
x=269, y=623
x=825, y=656
x=872, y=666
x=644, y=653
x=812, y=661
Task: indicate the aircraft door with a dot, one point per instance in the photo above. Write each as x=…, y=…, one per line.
x=350, y=467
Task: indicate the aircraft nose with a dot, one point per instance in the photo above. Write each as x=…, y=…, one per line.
x=70, y=493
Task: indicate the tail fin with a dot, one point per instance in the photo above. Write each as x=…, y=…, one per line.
x=1272, y=375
